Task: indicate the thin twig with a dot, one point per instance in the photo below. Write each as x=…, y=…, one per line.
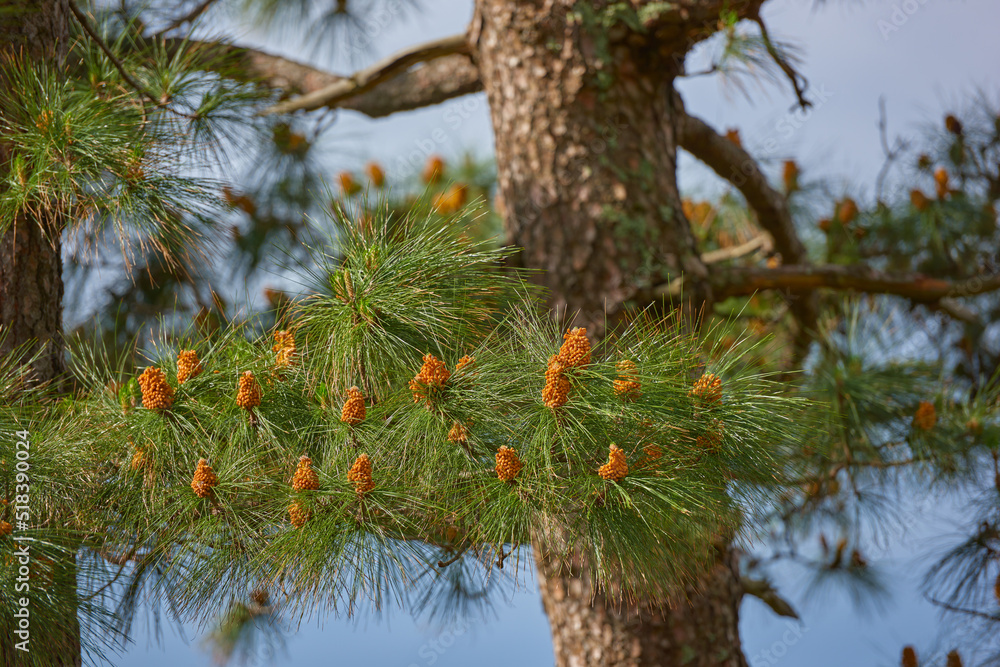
x=793, y=76
x=366, y=79
x=759, y=242
x=961, y=610
x=121, y=568
x=714, y=257
x=744, y=281
x=192, y=15
x=714, y=69
x=121, y=559
x=503, y=556
x=762, y=590
x=728, y=160
x=85, y=24
x=434, y=82
x=891, y=153
x=957, y=311
x=446, y=563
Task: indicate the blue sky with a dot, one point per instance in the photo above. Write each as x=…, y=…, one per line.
x=923, y=63
x=832, y=632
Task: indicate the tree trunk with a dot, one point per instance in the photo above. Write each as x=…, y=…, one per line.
x=31, y=287
x=588, y=628
x=31, y=293
x=586, y=154
x=583, y=115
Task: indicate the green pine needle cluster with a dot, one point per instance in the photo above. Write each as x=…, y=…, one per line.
x=123, y=472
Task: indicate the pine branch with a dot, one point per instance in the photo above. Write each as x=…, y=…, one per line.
x=245, y=64
x=459, y=554
x=370, y=77
x=85, y=24
x=957, y=311
x=761, y=242
x=738, y=167
x=122, y=564
x=763, y=591
x=799, y=83
x=743, y=281
x=121, y=559
x=192, y=15
x=119, y=65
x=435, y=82
x=961, y=610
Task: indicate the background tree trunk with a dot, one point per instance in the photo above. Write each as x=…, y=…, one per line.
x=586, y=154
x=700, y=628
x=583, y=116
x=31, y=293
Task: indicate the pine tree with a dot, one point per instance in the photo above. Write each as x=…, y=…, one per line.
x=630, y=440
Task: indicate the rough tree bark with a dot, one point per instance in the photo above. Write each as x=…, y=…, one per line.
x=584, y=117
x=586, y=154
x=591, y=628
x=31, y=287
x=31, y=293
